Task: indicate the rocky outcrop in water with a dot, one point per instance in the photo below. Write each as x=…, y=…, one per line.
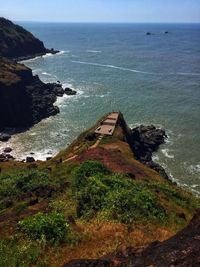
x=144, y=141
x=18, y=43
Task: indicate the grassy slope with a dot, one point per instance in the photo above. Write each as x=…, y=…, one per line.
x=98, y=231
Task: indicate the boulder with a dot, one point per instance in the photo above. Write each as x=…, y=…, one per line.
x=4, y=137
x=7, y=150
x=6, y=157
x=30, y=159
x=69, y=91
x=144, y=141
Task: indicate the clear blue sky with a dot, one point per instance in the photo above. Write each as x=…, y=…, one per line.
x=102, y=10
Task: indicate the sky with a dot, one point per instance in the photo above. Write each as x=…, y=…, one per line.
x=101, y=10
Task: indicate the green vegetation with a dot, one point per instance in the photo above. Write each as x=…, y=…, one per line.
x=15, y=254
x=49, y=227
x=83, y=196
x=26, y=183
x=117, y=196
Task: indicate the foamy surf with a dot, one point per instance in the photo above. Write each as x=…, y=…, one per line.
x=93, y=51
x=132, y=70
x=112, y=67
x=167, y=154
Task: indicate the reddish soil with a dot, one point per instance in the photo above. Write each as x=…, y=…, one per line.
x=113, y=160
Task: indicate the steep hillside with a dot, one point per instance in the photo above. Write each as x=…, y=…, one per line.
x=18, y=43
x=24, y=98
x=94, y=200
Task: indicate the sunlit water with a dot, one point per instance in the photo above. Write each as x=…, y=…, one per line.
x=152, y=79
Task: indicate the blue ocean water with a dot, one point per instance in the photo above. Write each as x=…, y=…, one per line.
x=152, y=79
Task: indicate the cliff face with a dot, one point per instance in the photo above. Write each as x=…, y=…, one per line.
x=18, y=43
x=24, y=99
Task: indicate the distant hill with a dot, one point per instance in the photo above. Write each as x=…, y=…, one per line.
x=18, y=43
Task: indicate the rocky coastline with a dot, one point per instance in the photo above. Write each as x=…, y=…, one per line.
x=19, y=44
x=145, y=140
x=24, y=99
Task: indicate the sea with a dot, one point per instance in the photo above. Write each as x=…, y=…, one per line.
x=151, y=79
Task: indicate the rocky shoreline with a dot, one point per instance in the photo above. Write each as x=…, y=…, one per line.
x=145, y=140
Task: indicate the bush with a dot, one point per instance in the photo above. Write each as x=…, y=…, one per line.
x=51, y=227
x=115, y=195
x=91, y=197
x=20, y=184
x=14, y=183
x=13, y=254
x=88, y=169
x=137, y=202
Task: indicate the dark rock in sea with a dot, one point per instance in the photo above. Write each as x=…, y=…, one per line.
x=7, y=150
x=18, y=43
x=6, y=157
x=56, y=88
x=3, y=136
x=144, y=141
x=148, y=33
x=30, y=159
x=69, y=91
x=24, y=98
x=166, y=32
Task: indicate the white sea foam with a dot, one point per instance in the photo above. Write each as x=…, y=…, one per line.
x=195, y=185
x=48, y=55
x=194, y=168
x=46, y=73
x=188, y=73
x=112, y=67
x=62, y=52
x=167, y=154
x=93, y=51
x=130, y=70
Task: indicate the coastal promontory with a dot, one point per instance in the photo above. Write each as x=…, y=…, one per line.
x=24, y=98
x=18, y=43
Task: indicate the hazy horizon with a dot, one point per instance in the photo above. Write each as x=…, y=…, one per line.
x=102, y=11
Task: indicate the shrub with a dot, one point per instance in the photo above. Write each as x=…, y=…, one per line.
x=13, y=254
x=136, y=202
x=51, y=227
x=88, y=169
x=20, y=184
x=91, y=197
x=14, y=183
x=115, y=195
